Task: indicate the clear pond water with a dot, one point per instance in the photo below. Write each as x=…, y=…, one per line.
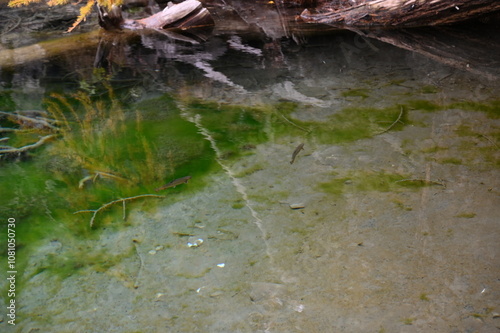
x=386, y=221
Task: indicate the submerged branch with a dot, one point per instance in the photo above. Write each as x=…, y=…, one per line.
x=394, y=123
x=27, y=147
x=44, y=123
x=293, y=124
x=95, y=211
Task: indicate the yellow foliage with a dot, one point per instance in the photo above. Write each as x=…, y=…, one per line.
x=84, y=11
x=57, y=2
x=19, y=3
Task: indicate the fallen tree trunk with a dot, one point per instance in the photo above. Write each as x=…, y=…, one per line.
x=402, y=13
x=456, y=47
x=187, y=14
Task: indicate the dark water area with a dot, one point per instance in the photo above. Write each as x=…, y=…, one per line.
x=339, y=181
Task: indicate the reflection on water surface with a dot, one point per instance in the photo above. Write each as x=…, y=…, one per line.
x=385, y=222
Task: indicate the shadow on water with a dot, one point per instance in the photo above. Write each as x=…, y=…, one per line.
x=400, y=154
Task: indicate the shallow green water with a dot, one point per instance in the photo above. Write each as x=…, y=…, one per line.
x=400, y=159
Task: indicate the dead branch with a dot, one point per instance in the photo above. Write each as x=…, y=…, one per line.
x=27, y=147
x=107, y=205
x=6, y=129
x=394, y=123
x=403, y=13
x=187, y=14
x=41, y=122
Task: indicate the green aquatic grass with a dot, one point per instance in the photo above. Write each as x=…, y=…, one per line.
x=103, y=152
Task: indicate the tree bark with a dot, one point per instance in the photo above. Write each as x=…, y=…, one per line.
x=187, y=14
x=403, y=13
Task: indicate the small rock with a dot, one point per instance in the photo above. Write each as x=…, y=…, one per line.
x=297, y=206
x=193, y=242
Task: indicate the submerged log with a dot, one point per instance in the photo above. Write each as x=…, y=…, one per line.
x=187, y=14
x=401, y=13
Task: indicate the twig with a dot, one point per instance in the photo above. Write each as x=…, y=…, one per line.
x=141, y=263
x=124, y=211
x=28, y=147
x=95, y=211
x=4, y=139
x=290, y=122
x=394, y=123
x=15, y=25
x=491, y=141
x=7, y=129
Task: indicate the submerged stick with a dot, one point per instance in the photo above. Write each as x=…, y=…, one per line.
x=42, y=122
x=141, y=263
x=95, y=211
x=292, y=123
x=27, y=147
x=487, y=138
x=394, y=123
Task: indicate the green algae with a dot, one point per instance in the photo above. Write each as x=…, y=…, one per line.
x=355, y=123
x=363, y=93
x=232, y=127
x=491, y=108
x=429, y=89
x=364, y=181
x=71, y=262
x=104, y=152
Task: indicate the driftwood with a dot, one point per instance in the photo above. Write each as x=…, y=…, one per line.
x=187, y=14
x=402, y=13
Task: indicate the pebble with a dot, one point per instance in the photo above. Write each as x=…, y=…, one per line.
x=297, y=206
x=194, y=242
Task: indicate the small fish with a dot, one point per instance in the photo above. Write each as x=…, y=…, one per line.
x=174, y=183
x=296, y=152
